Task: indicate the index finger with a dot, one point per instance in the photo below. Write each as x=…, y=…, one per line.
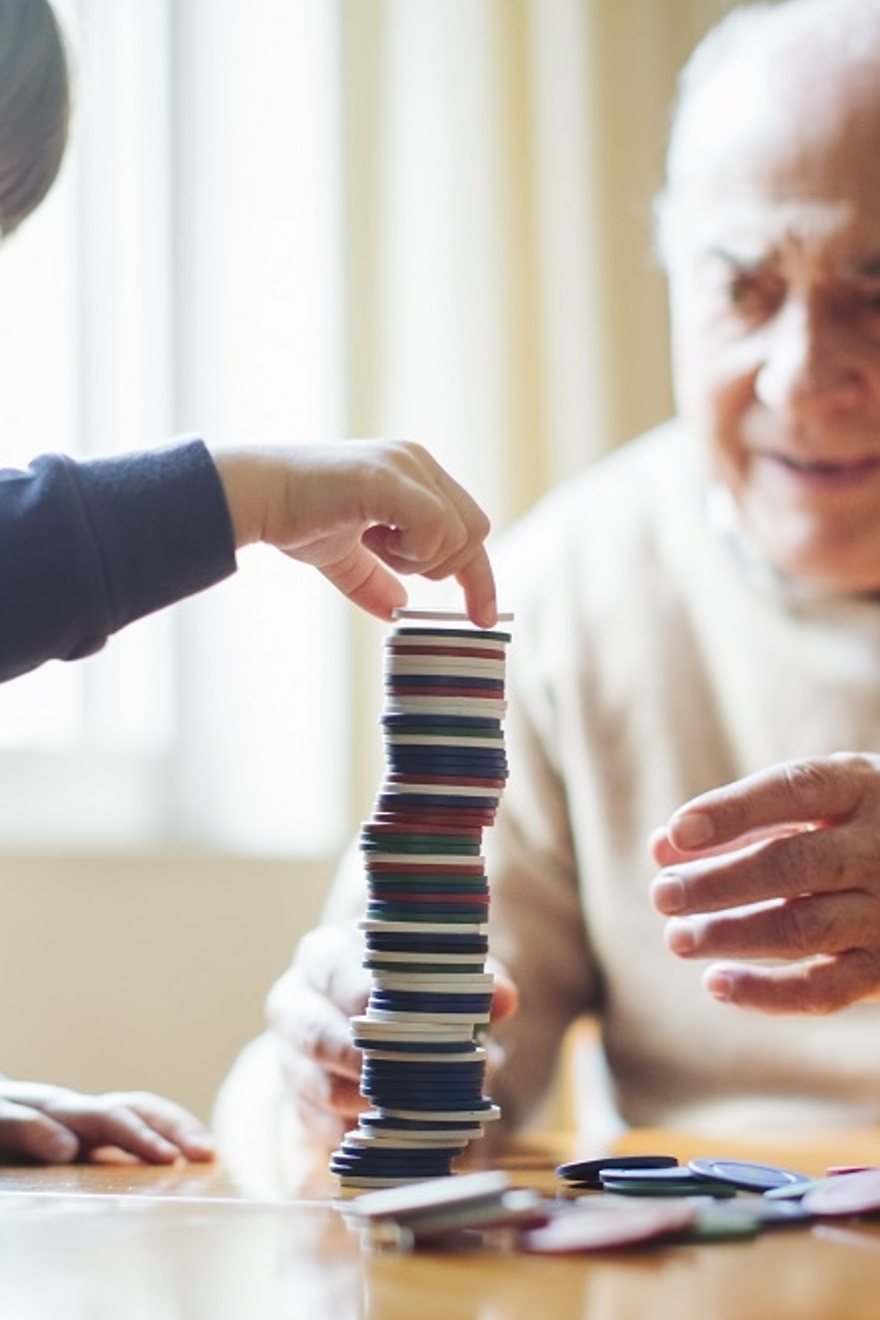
x=794, y=794
x=478, y=584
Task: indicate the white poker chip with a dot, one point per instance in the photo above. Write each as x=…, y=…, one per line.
x=476, y=1055
x=408, y=662
x=489, y=1115
x=365, y=1025
x=469, y=983
x=441, y=616
x=412, y=1016
x=424, y=927
x=488, y=707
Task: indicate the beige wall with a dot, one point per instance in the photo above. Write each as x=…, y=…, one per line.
x=125, y=972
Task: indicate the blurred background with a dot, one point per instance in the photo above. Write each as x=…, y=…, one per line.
x=292, y=220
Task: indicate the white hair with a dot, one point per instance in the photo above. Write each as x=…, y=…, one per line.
x=748, y=28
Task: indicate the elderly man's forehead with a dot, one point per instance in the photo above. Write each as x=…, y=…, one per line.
x=771, y=61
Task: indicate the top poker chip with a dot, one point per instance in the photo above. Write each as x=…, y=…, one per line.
x=443, y=616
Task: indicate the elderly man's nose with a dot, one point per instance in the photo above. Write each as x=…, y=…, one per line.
x=808, y=360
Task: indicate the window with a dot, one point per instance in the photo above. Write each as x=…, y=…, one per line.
x=175, y=280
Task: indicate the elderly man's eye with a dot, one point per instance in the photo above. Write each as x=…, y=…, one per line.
x=752, y=295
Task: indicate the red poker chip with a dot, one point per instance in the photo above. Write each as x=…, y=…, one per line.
x=398, y=647
x=845, y=1194
x=591, y=1228
x=403, y=827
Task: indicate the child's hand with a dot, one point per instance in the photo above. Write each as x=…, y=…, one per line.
x=352, y=507
x=52, y=1125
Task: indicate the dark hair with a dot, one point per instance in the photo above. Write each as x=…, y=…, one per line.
x=34, y=106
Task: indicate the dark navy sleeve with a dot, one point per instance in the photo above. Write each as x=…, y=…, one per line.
x=87, y=547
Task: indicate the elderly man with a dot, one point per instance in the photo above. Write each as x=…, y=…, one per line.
x=699, y=616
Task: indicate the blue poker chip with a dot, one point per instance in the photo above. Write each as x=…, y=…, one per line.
x=407, y=797
x=450, y=942
x=372, y=1154
x=403, y=1078
x=400, y=1088
x=394, y=1090
x=404, y=1047
x=377, y=1161
x=420, y=1094
x=413, y=1001
x=447, y=1105
x=745, y=1175
x=426, y=1157
x=451, y=735
x=350, y=1165
x=439, y=768
x=588, y=1172
x=449, y=1070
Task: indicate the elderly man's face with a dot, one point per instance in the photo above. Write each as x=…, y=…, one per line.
x=774, y=263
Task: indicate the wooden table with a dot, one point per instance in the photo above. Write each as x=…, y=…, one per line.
x=133, y=1243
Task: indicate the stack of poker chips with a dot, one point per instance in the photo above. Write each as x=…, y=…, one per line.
x=425, y=928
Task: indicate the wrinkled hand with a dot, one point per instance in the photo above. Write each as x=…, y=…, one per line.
x=783, y=865
x=53, y=1125
x=308, y=1011
x=356, y=509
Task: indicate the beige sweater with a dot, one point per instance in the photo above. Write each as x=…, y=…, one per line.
x=650, y=662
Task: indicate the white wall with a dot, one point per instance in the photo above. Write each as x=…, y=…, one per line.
x=137, y=972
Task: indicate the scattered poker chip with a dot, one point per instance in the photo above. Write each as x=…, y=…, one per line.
x=673, y=1181
x=745, y=1175
x=845, y=1194
x=453, y=1204
x=588, y=1173
x=599, y=1229
x=757, y=1211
